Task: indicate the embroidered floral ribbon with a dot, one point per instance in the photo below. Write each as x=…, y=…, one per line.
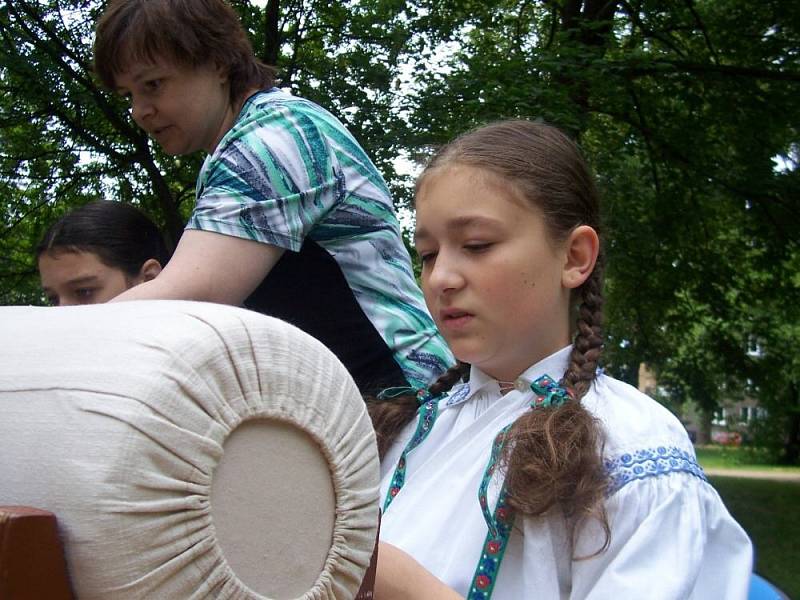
x=488, y=473
x=499, y=524
x=428, y=412
x=549, y=393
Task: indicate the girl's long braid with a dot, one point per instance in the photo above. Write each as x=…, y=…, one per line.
x=553, y=457
x=588, y=343
x=449, y=378
x=390, y=416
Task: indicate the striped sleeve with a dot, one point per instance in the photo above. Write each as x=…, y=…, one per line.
x=272, y=178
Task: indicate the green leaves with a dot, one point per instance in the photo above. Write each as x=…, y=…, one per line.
x=64, y=140
x=683, y=109
x=686, y=110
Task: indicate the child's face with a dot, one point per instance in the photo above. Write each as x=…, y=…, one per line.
x=492, y=278
x=72, y=277
x=184, y=109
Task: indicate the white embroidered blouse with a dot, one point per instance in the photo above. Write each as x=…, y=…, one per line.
x=671, y=535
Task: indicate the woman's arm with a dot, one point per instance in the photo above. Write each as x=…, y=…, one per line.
x=400, y=577
x=211, y=267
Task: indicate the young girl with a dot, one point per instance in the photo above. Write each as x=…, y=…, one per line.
x=97, y=251
x=291, y=218
x=523, y=472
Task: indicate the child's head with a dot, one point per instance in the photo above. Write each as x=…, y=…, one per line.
x=185, y=33
x=97, y=251
x=507, y=227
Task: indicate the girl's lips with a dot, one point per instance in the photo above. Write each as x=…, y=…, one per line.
x=455, y=319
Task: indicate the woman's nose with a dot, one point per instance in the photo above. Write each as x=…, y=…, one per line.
x=140, y=110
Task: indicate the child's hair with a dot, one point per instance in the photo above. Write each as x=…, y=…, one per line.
x=119, y=234
x=189, y=33
x=553, y=456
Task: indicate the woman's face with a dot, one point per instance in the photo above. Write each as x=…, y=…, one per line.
x=72, y=277
x=183, y=109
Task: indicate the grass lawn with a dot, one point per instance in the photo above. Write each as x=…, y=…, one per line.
x=743, y=457
x=768, y=510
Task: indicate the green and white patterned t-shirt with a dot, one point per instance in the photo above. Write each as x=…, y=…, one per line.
x=288, y=173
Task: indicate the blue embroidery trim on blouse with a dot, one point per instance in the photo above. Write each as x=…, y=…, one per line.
x=458, y=395
x=650, y=462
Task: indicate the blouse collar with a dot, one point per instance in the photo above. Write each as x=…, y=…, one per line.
x=554, y=365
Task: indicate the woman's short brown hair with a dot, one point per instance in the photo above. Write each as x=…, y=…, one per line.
x=189, y=33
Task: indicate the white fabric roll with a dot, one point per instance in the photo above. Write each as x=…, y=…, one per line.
x=115, y=417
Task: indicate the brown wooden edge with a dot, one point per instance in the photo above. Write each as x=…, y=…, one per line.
x=366, y=591
x=32, y=563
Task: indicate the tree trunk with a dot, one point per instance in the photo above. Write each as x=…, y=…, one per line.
x=166, y=200
x=704, y=428
x=588, y=23
x=791, y=448
x=271, y=38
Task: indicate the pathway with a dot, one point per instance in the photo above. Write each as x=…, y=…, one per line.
x=755, y=474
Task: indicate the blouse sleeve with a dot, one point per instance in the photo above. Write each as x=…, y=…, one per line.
x=272, y=180
x=671, y=538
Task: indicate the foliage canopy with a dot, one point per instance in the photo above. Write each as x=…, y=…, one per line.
x=687, y=110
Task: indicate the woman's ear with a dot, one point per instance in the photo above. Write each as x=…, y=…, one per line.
x=223, y=74
x=582, y=247
x=150, y=270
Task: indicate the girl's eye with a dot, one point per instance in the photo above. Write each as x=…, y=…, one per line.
x=425, y=257
x=477, y=247
x=84, y=293
x=152, y=85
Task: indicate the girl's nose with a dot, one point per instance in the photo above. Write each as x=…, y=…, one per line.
x=444, y=275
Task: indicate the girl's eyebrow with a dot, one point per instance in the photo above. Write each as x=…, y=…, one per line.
x=82, y=280
x=459, y=223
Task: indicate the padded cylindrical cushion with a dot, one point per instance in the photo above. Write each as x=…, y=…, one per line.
x=115, y=417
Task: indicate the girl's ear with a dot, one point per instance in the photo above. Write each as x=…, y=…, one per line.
x=582, y=247
x=150, y=270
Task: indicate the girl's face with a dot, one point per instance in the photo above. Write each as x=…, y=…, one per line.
x=184, y=109
x=491, y=275
x=73, y=277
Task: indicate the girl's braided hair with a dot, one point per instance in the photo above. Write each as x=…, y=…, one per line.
x=552, y=456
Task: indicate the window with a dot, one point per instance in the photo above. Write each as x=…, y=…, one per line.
x=745, y=414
